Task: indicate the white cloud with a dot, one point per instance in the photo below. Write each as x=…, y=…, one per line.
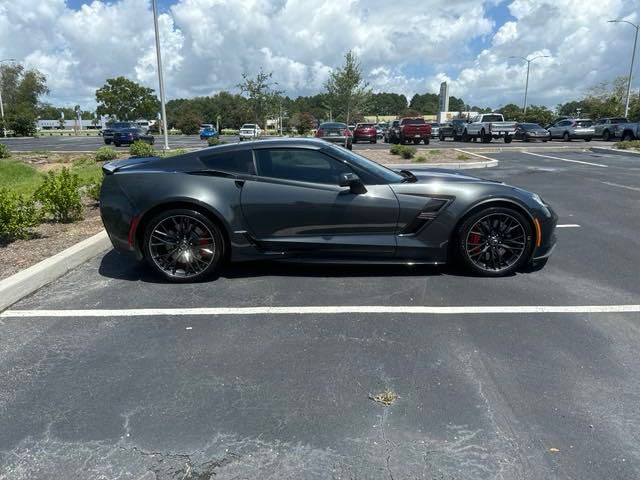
x=208, y=44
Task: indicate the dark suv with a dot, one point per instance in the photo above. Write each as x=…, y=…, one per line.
x=109, y=132
x=454, y=129
x=392, y=132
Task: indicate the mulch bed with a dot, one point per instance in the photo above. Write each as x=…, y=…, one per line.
x=49, y=239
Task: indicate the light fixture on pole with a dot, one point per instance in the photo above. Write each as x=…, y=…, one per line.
x=160, y=75
x=4, y=127
x=633, y=55
x=526, y=85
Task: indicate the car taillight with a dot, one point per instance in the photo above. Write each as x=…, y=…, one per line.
x=320, y=132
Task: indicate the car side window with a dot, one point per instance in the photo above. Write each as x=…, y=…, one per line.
x=232, y=162
x=301, y=165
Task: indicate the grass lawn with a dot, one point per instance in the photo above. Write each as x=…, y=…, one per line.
x=24, y=179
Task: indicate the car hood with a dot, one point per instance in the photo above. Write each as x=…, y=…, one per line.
x=427, y=175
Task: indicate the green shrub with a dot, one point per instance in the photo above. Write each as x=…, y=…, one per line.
x=214, y=141
x=396, y=149
x=17, y=215
x=407, y=152
x=60, y=196
x=230, y=131
x=421, y=159
x=462, y=157
x=628, y=145
x=93, y=188
x=173, y=153
x=106, y=154
x=4, y=151
x=141, y=149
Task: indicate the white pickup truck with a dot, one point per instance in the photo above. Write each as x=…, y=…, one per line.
x=487, y=126
x=250, y=131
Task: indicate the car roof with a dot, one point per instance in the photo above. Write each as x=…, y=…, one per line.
x=309, y=143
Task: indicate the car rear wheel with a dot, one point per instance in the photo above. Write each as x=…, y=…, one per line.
x=606, y=136
x=566, y=137
x=416, y=141
x=508, y=138
x=374, y=140
x=107, y=142
x=427, y=141
x=495, y=241
x=441, y=137
x=588, y=139
x=183, y=245
x=627, y=136
x=465, y=137
x=117, y=144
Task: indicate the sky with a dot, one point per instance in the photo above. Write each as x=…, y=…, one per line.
x=405, y=46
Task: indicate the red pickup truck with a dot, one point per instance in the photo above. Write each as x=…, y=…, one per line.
x=414, y=129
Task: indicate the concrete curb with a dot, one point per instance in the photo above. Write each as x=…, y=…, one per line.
x=613, y=151
x=31, y=279
x=449, y=165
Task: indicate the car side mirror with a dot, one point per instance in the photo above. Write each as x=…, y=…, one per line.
x=352, y=181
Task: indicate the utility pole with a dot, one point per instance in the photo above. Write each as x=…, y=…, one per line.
x=526, y=86
x=633, y=56
x=4, y=126
x=160, y=75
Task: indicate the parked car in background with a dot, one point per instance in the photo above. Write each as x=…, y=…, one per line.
x=365, y=131
x=391, y=134
x=435, y=129
x=335, y=132
x=379, y=132
x=530, y=132
x=627, y=131
x=127, y=136
x=488, y=126
x=605, y=128
x=109, y=132
x=249, y=131
x=209, y=132
x=452, y=129
x=572, y=128
x=414, y=129
x=204, y=126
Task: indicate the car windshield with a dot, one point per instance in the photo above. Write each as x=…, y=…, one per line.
x=248, y=125
x=530, y=126
x=333, y=125
x=387, y=174
x=413, y=121
x=619, y=120
x=492, y=118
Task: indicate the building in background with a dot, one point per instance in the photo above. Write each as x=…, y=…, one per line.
x=443, y=102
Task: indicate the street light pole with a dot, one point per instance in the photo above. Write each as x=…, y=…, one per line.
x=4, y=127
x=526, y=86
x=633, y=56
x=160, y=75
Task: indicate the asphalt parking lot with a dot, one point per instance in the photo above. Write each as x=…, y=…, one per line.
x=79, y=144
x=266, y=371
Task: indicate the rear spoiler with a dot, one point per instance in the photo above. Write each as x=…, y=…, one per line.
x=110, y=168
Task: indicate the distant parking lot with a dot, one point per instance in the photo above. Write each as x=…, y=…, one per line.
x=193, y=141
x=266, y=371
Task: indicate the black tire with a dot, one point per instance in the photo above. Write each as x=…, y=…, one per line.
x=117, y=144
x=545, y=140
x=588, y=139
x=441, y=137
x=508, y=138
x=416, y=141
x=457, y=138
x=349, y=146
x=566, y=137
x=627, y=136
x=465, y=137
x=465, y=248
x=107, y=142
x=181, y=275
x=606, y=136
x=426, y=141
x=375, y=140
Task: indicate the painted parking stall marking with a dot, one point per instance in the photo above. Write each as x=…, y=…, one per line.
x=626, y=187
x=316, y=310
x=568, y=225
x=566, y=159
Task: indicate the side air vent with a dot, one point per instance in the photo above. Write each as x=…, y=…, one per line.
x=428, y=213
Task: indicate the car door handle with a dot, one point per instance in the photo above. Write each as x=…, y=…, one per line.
x=240, y=183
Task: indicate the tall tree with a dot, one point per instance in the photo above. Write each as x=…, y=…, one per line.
x=126, y=100
x=261, y=93
x=21, y=92
x=347, y=91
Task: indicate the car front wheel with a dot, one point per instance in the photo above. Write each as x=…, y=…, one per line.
x=495, y=241
x=183, y=245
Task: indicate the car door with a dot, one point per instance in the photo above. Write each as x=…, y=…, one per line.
x=555, y=128
x=295, y=204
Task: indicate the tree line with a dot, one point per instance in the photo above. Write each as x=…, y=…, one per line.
x=346, y=97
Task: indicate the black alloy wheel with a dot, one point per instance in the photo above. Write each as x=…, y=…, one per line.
x=495, y=242
x=566, y=137
x=606, y=136
x=183, y=245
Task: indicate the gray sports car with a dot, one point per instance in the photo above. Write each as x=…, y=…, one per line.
x=311, y=201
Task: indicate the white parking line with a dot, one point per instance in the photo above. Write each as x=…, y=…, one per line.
x=635, y=189
x=475, y=154
x=568, y=225
x=148, y=312
x=566, y=159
